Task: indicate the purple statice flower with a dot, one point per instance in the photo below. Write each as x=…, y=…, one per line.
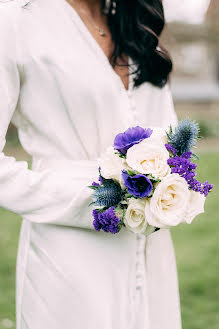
x=183, y=166
x=95, y=184
x=187, y=155
x=195, y=185
x=107, y=220
x=171, y=149
x=96, y=222
x=130, y=137
x=206, y=188
x=138, y=185
x=100, y=179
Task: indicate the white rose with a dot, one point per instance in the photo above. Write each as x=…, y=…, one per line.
x=149, y=157
x=112, y=165
x=169, y=203
x=196, y=206
x=158, y=134
x=135, y=219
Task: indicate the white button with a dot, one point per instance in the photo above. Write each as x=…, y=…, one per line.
x=139, y=282
x=139, y=272
x=139, y=267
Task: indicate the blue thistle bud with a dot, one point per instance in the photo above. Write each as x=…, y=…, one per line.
x=185, y=136
x=108, y=195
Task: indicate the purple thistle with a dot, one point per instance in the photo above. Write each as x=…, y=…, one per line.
x=107, y=220
x=184, y=137
x=109, y=194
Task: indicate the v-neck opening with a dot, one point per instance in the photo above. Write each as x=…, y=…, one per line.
x=96, y=46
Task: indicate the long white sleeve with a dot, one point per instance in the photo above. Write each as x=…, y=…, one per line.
x=48, y=196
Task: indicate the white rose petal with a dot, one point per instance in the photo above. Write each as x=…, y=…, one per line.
x=196, y=206
x=135, y=219
x=158, y=134
x=149, y=157
x=111, y=165
x=169, y=203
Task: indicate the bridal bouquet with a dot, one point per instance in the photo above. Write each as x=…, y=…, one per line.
x=147, y=180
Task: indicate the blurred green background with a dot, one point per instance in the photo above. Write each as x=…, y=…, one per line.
x=193, y=39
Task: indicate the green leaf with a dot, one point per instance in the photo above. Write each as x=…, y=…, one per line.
x=195, y=156
x=93, y=187
x=130, y=172
x=92, y=204
x=171, y=129
x=156, y=180
x=120, y=155
x=107, y=181
x=133, y=172
x=153, y=179
x=150, y=195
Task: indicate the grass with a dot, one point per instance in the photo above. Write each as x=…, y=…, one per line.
x=197, y=251
x=10, y=225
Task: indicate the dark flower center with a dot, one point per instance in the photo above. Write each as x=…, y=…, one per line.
x=141, y=184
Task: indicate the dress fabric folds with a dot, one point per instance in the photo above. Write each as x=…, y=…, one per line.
x=58, y=88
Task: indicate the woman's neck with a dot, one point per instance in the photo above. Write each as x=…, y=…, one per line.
x=91, y=6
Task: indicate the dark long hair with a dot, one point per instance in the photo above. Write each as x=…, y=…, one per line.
x=136, y=28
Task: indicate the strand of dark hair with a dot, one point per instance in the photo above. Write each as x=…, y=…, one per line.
x=136, y=28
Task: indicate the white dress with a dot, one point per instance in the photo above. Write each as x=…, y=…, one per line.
x=58, y=88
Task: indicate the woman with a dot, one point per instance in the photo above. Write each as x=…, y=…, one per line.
x=60, y=86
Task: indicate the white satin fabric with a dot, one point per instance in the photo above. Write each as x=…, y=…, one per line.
x=58, y=88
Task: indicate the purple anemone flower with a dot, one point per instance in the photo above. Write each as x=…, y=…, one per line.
x=130, y=137
x=138, y=185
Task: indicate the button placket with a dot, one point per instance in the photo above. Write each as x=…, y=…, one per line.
x=132, y=108
x=141, y=314
x=140, y=260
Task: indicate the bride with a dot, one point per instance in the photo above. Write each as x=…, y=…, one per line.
x=74, y=73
